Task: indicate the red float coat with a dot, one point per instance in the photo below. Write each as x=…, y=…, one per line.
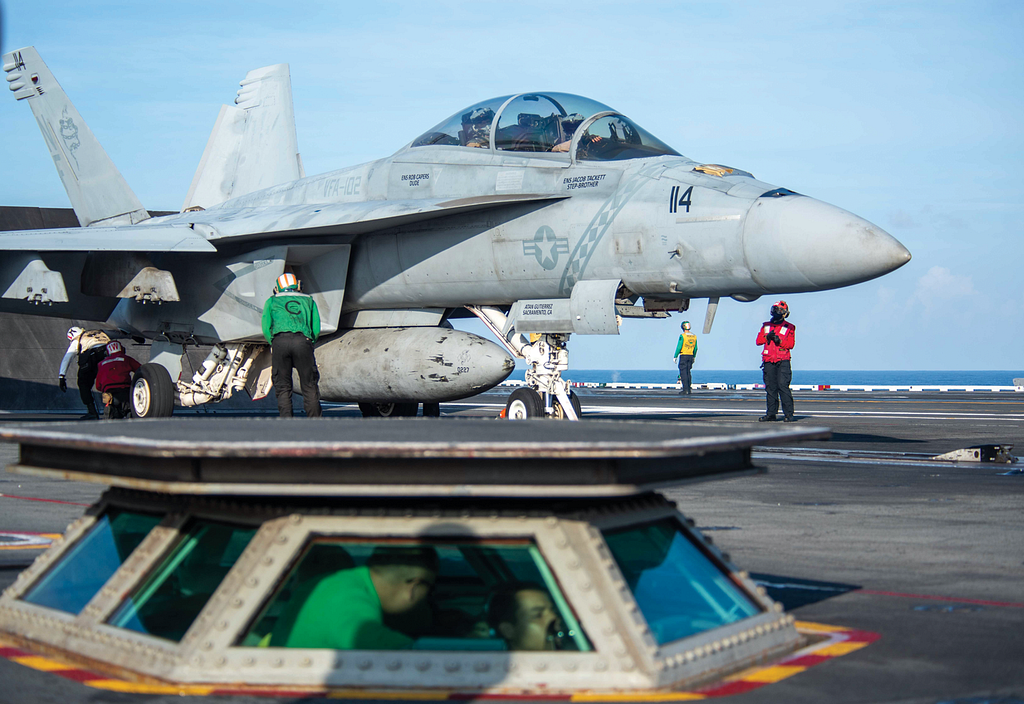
x=773, y=352
x=115, y=373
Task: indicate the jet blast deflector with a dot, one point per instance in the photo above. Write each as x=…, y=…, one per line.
x=205, y=563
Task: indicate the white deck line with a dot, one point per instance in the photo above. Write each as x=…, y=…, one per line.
x=721, y=386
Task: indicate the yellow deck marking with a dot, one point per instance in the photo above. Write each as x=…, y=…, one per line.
x=652, y=697
x=843, y=648
x=141, y=688
x=773, y=674
x=811, y=626
x=40, y=663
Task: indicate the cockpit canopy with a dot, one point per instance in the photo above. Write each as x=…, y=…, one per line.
x=551, y=123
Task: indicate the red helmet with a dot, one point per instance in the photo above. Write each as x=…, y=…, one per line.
x=780, y=309
x=114, y=348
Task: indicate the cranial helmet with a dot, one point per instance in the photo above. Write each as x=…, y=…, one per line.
x=780, y=310
x=114, y=348
x=685, y=325
x=287, y=282
x=74, y=332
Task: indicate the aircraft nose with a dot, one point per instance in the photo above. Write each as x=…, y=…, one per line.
x=795, y=243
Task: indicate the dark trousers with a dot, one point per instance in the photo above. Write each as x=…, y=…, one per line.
x=777, y=376
x=118, y=406
x=88, y=365
x=685, y=365
x=293, y=350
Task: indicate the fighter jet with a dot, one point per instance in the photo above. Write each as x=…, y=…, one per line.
x=543, y=214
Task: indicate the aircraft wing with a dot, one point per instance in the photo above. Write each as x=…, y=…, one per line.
x=200, y=231
x=126, y=238
x=353, y=219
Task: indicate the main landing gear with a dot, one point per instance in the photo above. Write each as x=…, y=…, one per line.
x=546, y=394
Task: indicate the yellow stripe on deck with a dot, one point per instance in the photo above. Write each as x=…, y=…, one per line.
x=40, y=663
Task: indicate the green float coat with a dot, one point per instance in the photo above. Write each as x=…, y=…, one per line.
x=343, y=613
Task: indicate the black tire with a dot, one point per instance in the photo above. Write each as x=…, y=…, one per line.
x=524, y=403
x=152, y=393
x=574, y=400
x=388, y=410
x=431, y=410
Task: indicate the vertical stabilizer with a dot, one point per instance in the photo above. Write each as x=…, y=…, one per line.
x=253, y=145
x=98, y=192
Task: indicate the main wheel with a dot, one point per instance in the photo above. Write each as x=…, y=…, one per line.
x=574, y=400
x=152, y=392
x=524, y=403
x=388, y=410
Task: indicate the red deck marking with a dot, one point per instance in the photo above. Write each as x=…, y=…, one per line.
x=931, y=597
x=49, y=501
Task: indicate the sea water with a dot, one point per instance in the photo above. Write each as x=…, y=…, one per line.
x=800, y=376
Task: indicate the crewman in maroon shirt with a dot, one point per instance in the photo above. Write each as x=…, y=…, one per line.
x=114, y=379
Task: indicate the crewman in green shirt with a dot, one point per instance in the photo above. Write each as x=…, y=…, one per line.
x=346, y=610
x=291, y=324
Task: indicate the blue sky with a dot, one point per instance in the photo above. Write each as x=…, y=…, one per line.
x=906, y=113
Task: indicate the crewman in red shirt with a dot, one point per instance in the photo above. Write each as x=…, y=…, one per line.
x=114, y=379
x=778, y=337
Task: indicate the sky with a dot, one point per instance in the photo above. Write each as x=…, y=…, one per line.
x=908, y=114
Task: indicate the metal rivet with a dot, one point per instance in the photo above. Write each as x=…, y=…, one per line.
x=277, y=662
x=540, y=667
x=251, y=582
x=586, y=586
x=452, y=666
x=570, y=667
x=628, y=666
x=574, y=564
x=481, y=667
x=221, y=661
x=597, y=608
x=423, y=665
x=197, y=660
x=268, y=560
x=600, y=666
x=208, y=645
x=237, y=602
x=394, y=665
x=306, y=662
x=621, y=652
x=281, y=539
x=222, y=625
x=295, y=518
x=365, y=664
x=249, y=661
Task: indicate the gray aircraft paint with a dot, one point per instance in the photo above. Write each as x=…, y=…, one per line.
x=437, y=227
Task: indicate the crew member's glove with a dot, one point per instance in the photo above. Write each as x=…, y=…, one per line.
x=62, y=383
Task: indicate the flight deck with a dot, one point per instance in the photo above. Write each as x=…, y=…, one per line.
x=909, y=562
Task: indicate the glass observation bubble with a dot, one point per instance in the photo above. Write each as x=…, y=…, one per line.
x=678, y=589
x=80, y=573
x=170, y=598
x=351, y=594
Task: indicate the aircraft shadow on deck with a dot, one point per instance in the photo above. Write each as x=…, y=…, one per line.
x=860, y=438
x=794, y=592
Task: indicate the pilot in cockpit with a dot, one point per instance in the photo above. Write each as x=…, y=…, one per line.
x=570, y=123
x=476, y=128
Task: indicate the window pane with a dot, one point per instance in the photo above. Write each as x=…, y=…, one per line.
x=543, y=122
x=71, y=583
x=467, y=128
x=679, y=590
x=445, y=595
x=614, y=138
x=170, y=599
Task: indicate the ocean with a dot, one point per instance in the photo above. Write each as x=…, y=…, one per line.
x=800, y=376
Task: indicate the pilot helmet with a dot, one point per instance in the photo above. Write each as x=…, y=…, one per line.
x=114, y=348
x=75, y=332
x=780, y=310
x=685, y=325
x=287, y=282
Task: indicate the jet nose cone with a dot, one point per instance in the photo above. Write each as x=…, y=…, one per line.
x=794, y=243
